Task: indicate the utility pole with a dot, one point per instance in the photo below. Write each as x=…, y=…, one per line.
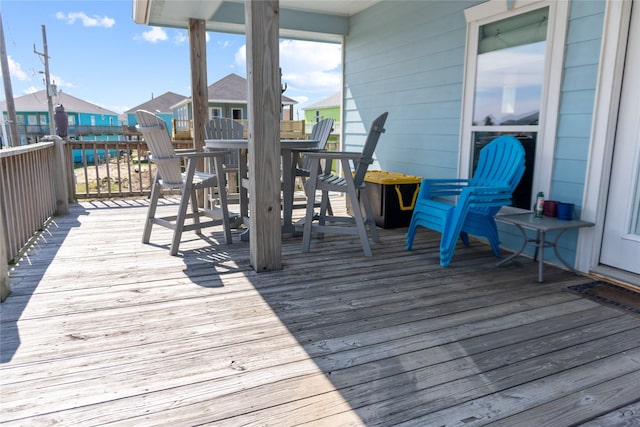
x=45, y=55
x=14, y=138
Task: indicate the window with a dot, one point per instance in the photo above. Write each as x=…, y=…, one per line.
x=236, y=113
x=215, y=112
x=513, y=72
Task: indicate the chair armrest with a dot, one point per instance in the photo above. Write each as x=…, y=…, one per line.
x=183, y=151
x=486, y=196
x=432, y=188
x=203, y=154
x=333, y=155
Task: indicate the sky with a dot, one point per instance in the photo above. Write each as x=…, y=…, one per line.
x=99, y=54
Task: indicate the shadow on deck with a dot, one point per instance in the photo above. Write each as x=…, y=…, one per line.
x=103, y=329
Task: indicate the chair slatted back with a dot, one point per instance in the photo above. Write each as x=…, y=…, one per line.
x=156, y=135
x=225, y=128
x=501, y=162
x=377, y=128
x=319, y=132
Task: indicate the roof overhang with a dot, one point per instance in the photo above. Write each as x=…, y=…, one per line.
x=319, y=20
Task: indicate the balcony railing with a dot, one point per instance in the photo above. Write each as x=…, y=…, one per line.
x=35, y=133
x=34, y=186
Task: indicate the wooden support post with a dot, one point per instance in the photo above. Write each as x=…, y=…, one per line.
x=198, y=58
x=61, y=177
x=199, y=96
x=264, y=99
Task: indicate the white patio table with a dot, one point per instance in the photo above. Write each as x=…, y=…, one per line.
x=289, y=152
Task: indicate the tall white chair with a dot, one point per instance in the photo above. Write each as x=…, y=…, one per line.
x=226, y=128
x=354, y=166
x=320, y=132
x=170, y=176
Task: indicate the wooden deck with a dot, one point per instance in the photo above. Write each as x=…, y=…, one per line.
x=101, y=329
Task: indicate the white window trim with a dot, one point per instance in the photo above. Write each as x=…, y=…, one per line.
x=495, y=10
x=212, y=109
x=233, y=110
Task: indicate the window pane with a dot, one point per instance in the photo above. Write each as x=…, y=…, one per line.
x=509, y=85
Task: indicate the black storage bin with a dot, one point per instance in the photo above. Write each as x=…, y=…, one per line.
x=392, y=196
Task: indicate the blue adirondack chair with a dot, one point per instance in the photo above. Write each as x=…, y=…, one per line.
x=499, y=170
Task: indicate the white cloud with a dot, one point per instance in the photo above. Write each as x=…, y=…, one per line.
x=154, y=35
x=59, y=81
x=241, y=57
x=301, y=99
x=15, y=70
x=308, y=66
x=180, y=38
x=87, y=21
x=31, y=89
x=118, y=108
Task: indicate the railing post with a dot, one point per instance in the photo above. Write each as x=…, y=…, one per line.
x=60, y=175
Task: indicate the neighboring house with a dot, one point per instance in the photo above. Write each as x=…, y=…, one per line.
x=159, y=105
x=561, y=75
x=328, y=108
x=87, y=121
x=228, y=98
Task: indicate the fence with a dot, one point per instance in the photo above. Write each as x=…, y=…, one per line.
x=34, y=187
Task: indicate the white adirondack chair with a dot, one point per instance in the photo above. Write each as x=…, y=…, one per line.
x=320, y=132
x=349, y=184
x=170, y=176
x=226, y=128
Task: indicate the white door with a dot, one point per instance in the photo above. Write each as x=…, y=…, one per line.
x=621, y=239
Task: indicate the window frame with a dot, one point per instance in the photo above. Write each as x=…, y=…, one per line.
x=495, y=10
x=212, y=111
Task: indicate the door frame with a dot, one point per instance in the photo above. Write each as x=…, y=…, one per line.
x=615, y=33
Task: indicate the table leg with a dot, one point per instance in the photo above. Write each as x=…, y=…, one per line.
x=287, y=191
x=555, y=250
x=540, y=244
x=516, y=254
x=243, y=172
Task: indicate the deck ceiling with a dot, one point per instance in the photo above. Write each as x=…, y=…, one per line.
x=326, y=20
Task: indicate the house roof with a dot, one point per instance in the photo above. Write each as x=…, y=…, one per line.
x=160, y=103
x=37, y=101
x=230, y=89
x=329, y=102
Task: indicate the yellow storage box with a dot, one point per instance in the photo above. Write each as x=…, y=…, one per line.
x=392, y=196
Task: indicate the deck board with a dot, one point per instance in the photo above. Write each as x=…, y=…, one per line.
x=101, y=329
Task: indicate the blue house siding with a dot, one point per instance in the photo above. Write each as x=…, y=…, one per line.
x=415, y=70
x=166, y=117
x=584, y=37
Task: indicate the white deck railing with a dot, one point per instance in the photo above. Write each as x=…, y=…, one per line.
x=34, y=187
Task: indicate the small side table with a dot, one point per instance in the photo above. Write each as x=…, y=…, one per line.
x=541, y=226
